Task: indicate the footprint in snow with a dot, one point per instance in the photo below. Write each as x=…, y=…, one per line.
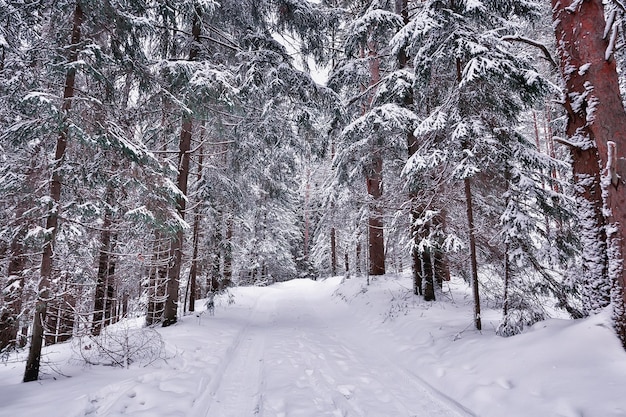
x=505, y=383
x=346, y=390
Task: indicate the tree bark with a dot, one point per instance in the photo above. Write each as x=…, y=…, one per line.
x=374, y=181
x=193, y=272
x=333, y=251
x=104, y=269
x=34, y=355
x=441, y=268
x=428, y=285
x=596, y=128
x=357, y=256
x=12, y=291
x=176, y=250
x=417, y=258
x=157, y=276
x=61, y=313
x=307, y=197
x=375, y=222
x=228, y=251
x=472, y=243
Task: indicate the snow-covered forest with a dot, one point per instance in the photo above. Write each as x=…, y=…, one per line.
x=156, y=155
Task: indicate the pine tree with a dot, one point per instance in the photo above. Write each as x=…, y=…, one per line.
x=34, y=355
x=89, y=134
x=358, y=77
x=470, y=89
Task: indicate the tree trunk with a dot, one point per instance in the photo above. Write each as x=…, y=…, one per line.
x=60, y=319
x=596, y=119
x=472, y=243
x=193, y=272
x=375, y=222
x=471, y=232
x=441, y=268
x=428, y=284
x=227, y=252
x=333, y=232
x=417, y=266
x=357, y=256
x=176, y=250
x=157, y=276
x=307, y=197
x=99, y=308
x=216, y=249
x=124, y=306
x=507, y=247
x=34, y=355
x=110, y=287
x=596, y=288
x=12, y=290
x=401, y=7
x=507, y=282
x=333, y=251
x=374, y=181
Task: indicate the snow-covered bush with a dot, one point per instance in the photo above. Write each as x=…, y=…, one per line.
x=120, y=345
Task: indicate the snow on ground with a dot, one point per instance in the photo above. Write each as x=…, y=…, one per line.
x=341, y=348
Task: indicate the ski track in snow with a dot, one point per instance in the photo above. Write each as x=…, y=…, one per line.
x=237, y=389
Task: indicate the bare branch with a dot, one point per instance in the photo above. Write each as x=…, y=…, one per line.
x=536, y=44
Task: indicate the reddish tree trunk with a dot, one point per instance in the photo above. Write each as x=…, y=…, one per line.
x=596, y=117
x=374, y=180
x=34, y=355
x=375, y=223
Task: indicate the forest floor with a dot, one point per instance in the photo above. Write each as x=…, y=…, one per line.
x=339, y=348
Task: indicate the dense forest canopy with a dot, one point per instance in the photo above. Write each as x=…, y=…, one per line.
x=155, y=151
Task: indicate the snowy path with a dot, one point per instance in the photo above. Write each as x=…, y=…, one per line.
x=339, y=349
x=291, y=360
x=289, y=350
